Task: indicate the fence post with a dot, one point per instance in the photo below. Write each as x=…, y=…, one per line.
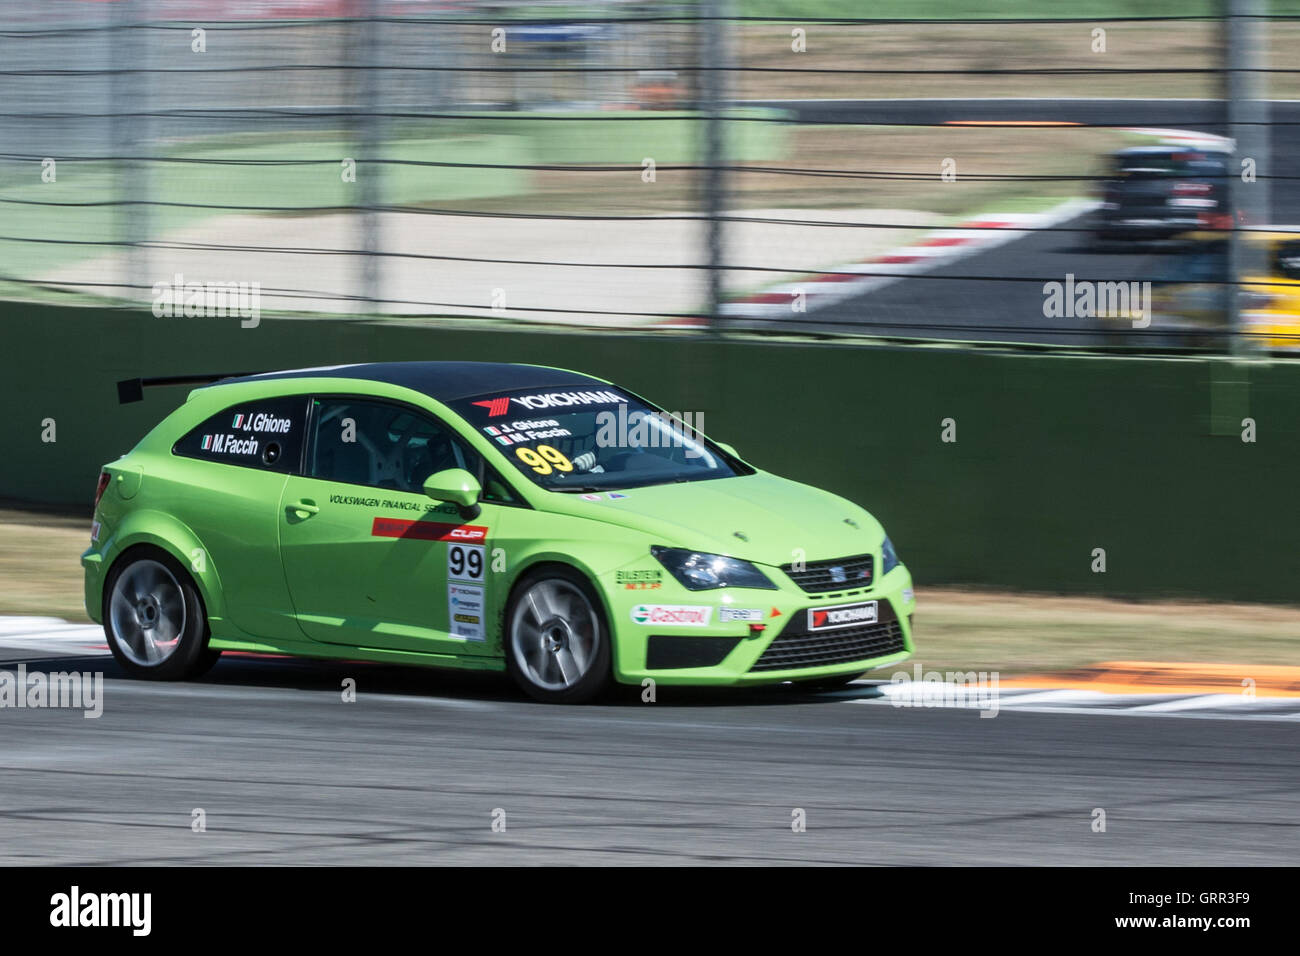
x=713, y=92
x=131, y=96
x=370, y=171
x=1248, y=118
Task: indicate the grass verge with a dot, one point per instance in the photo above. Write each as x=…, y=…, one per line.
x=1026, y=634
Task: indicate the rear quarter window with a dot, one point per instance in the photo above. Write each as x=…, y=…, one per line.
x=266, y=434
x=1286, y=259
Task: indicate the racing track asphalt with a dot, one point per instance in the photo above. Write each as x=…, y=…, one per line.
x=410, y=773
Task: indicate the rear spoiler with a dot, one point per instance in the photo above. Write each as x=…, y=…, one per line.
x=132, y=389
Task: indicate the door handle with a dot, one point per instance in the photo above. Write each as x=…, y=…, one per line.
x=304, y=507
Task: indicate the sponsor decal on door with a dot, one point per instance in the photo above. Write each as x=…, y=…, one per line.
x=465, y=562
x=465, y=611
x=427, y=530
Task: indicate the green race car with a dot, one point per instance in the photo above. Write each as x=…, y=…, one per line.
x=485, y=516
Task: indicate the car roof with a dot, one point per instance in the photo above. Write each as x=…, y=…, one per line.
x=443, y=381
x=1169, y=149
x=1147, y=150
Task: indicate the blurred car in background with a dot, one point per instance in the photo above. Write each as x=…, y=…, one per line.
x=1195, y=297
x=1271, y=312
x=1153, y=193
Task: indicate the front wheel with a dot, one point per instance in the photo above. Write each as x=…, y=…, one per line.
x=154, y=618
x=557, y=644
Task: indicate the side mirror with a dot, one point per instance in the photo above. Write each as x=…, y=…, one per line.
x=727, y=448
x=455, y=486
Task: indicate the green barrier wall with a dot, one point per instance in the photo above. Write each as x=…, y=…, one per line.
x=1055, y=455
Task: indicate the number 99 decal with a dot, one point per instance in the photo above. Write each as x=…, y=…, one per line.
x=543, y=458
x=464, y=562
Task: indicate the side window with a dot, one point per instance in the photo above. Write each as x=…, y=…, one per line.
x=365, y=442
x=495, y=489
x=1287, y=259
x=265, y=434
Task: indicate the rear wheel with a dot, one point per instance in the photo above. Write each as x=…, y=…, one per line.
x=154, y=619
x=557, y=644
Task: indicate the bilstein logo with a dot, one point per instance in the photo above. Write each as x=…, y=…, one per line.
x=825, y=618
x=74, y=909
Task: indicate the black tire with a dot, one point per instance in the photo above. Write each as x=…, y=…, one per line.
x=556, y=639
x=154, y=619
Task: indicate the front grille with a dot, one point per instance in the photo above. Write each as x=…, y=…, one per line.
x=797, y=647
x=833, y=647
x=839, y=574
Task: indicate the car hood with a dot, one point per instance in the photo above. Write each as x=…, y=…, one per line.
x=776, y=516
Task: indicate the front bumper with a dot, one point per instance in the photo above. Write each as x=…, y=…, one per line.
x=786, y=648
x=1154, y=228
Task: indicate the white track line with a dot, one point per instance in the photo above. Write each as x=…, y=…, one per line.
x=60, y=638
x=1076, y=701
x=51, y=636
x=31, y=626
x=936, y=248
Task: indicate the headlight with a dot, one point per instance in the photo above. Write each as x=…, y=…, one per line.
x=888, y=556
x=704, y=572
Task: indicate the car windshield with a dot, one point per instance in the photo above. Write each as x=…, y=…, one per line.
x=593, y=439
x=1146, y=166
x=1169, y=165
